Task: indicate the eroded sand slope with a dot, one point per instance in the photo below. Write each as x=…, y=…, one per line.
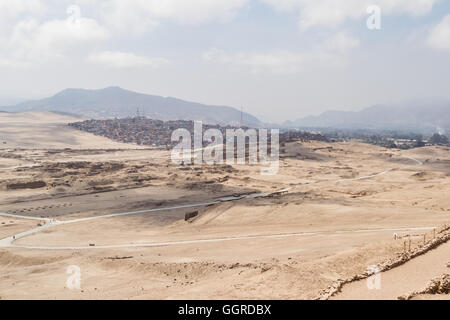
x=47, y=130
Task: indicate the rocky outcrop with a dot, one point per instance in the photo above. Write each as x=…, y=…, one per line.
x=441, y=237
x=436, y=286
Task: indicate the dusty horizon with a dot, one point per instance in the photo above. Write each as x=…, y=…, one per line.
x=277, y=59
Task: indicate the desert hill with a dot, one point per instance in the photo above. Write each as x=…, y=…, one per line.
x=116, y=102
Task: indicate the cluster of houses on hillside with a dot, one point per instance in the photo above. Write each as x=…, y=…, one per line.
x=157, y=133
x=139, y=130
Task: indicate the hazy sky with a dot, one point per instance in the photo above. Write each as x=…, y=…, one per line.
x=279, y=59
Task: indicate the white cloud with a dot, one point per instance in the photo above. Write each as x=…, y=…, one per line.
x=10, y=9
x=332, y=13
x=141, y=15
x=341, y=42
x=278, y=62
x=28, y=37
x=329, y=53
x=116, y=59
x=31, y=42
x=62, y=34
x=439, y=37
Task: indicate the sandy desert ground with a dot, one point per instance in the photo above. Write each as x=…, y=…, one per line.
x=344, y=203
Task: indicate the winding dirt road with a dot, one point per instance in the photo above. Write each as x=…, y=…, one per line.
x=9, y=241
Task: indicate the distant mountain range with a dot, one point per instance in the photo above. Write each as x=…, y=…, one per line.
x=116, y=102
x=424, y=117
x=427, y=116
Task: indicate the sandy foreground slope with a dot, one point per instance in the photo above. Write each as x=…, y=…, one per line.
x=345, y=203
x=47, y=130
x=405, y=279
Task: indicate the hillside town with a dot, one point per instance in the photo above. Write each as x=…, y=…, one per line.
x=156, y=133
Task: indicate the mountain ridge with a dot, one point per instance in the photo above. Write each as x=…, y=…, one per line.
x=114, y=101
x=424, y=117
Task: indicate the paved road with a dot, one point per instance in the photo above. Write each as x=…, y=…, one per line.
x=8, y=242
x=419, y=163
x=366, y=177
x=53, y=222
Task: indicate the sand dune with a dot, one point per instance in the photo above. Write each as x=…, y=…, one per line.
x=47, y=130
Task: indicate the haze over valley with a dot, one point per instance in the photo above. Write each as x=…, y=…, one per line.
x=427, y=116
